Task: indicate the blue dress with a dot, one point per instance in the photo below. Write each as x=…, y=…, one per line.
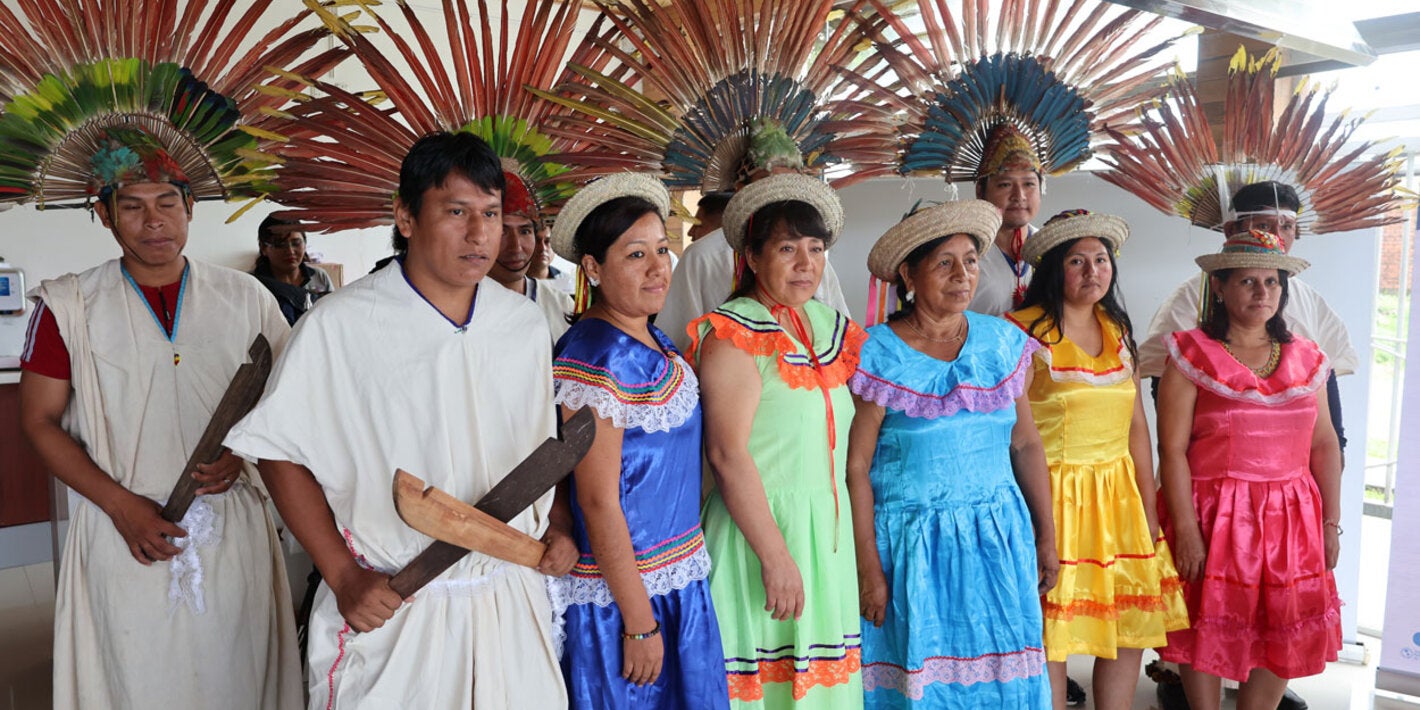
x=653, y=396
x=963, y=622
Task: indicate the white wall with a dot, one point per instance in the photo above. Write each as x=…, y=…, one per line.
x=1159, y=256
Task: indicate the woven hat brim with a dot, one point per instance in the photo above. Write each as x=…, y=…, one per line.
x=1242, y=260
x=978, y=219
x=598, y=193
x=1107, y=228
x=781, y=188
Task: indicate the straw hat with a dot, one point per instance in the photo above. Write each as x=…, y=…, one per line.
x=598, y=193
x=1253, y=249
x=978, y=219
x=1075, y=224
x=781, y=188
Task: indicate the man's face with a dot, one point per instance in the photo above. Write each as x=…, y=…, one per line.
x=150, y=222
x=705, y=223
x=1282, y=223
x=1016, y=193
x=454, y=238
x=516, y=250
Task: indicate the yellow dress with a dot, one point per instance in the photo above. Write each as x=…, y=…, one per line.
x=1117, y=587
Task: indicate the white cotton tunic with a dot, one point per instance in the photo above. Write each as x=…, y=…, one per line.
x=1307, y=314
x=703, y=279
x=378, y=379
x=119, y=641
x=996, y=283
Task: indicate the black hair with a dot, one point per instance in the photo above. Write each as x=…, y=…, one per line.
x=604, y=225
x=912, y=260
x=1265, y=195
x=713, y=203
x=1215, y=325
x=800, y=218
x=268, y=232
x=1047, y=290
x=430, y=162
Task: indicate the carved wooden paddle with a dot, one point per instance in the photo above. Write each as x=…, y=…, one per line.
x=537, y=474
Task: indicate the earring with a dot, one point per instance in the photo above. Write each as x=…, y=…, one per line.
x=911, y=296
x=594, y=282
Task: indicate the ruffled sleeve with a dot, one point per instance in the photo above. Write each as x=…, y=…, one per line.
x=1302, y=369
x=622, y=380
x=1066, y=362
x=749, y=326
x=988, y=375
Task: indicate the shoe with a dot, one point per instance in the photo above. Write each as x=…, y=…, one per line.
x=1291, y=701
x=1075, y=695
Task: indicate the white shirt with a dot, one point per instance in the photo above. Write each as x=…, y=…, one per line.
x=702, y=282
x=996, y=282
x=1307, y=315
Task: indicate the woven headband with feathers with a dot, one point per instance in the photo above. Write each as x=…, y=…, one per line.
x=1175, y=164
x=340, y=164
x=705, y=75
x=69, y=69
x=1058, y=72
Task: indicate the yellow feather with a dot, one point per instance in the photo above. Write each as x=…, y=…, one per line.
x=244, y=209
x=263, y=134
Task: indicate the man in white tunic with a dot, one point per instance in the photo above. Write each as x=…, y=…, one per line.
x=427, y=366
x=1010, y=178
x=124, y=367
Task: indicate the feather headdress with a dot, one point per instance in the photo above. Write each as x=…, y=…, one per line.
x=1056, y=74
x=177, y=77
x=688, y=89
x=1176, y=165
x=340, y=166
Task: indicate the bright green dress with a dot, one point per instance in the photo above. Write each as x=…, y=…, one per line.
x=814, y=662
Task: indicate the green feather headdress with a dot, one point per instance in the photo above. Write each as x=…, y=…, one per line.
x=78, y=80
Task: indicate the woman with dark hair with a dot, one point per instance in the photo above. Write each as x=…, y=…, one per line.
x=1118, y=592
x=642, y=626
x=774, y=365
x=281, y=267
x=949, y=487
x=1251, y=469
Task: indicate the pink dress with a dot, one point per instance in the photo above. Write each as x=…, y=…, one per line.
x=1267, y=599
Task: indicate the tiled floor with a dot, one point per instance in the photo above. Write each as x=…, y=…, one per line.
x=26, y=636
x=26, y=647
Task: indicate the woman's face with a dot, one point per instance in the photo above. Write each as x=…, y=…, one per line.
x=1088, y=272
x=285, y=251
x=944, y=282
x=789, y=266
x=636, y=275
x=1250, y=295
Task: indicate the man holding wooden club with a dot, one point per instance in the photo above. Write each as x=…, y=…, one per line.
x=425, y=366
x=123, y=367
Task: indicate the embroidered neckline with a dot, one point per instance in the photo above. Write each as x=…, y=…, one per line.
x=660, y=404
x=1220, y=373
x=177, y=309
x=472, y=304
x=882, y=388
x=760, y=335
x=1066, y=361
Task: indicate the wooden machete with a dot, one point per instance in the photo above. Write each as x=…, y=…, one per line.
x=241, y=395
x=538, y=473
x=446, y=518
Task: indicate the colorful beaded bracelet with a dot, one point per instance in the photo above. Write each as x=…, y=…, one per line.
x=642, y=637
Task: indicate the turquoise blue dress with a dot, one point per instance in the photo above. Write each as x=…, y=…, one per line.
x=963, y=626
x=653, y=396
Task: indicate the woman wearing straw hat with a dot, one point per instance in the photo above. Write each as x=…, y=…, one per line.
x=774, y=366
x=950, y=490
x=642, y=625
x=1251, y=479
x=1117, y=595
